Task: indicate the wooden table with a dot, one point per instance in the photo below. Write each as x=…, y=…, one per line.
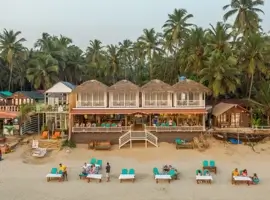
x=54, y=176
x=127, y=177
x=204, y=179
x=241, y=179
x=163, y=177
x=94, y=176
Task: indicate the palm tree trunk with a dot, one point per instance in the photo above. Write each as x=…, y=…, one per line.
x=250, y=86
x=10, y=77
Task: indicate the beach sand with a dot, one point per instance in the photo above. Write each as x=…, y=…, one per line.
x=23, y=179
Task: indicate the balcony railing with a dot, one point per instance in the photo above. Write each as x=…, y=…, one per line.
x=52, y=108
x=100, y=129
x=174, y=128
x=83, y=104
x=156, y=103
x=126, y=103
x=10, y=108
x=190, y=103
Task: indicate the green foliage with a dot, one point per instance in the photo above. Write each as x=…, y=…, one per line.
x=69, y=143
x=256, y=122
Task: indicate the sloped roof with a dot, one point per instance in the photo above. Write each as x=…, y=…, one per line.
x=222, y=107
x=61, y=87
x=31, y=94
x=91, y=85
x=6, y=115
x=5, y=94
x=157, y=85
x=187, y=85
x=124, y=85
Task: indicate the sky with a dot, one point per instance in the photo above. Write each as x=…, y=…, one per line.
x=110, y=21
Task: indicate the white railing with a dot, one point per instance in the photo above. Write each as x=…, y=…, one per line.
x=82, y=104
x=124, y=139
x=126, y=103
x=156, y=103
x=151, y=138
x=190, y=103
x=10, y=108
x=100, y=129
x=174, y=128
x=260, y=127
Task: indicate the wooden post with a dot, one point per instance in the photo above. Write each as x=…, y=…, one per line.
x=126, y=120
x=130, y=144
x=150, y=123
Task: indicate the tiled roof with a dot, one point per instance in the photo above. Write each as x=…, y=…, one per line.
x=68, y=84
x=5, y=94
x=31, y=94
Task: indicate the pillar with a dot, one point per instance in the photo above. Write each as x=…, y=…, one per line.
x=126, y=122
x=203, y=120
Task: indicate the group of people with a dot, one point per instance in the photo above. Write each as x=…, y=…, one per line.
x=93, y=169
x=254, y=178
x=207, y=173
x=167, y=168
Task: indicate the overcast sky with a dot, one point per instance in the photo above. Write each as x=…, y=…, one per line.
x=110, y=21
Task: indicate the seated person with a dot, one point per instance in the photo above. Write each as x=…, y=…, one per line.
x=207, y=173
x=199, y=173
x=255, y=179
x=235, y=172
x=93, y=169
x=244, y=173
x=94, y=125
x=170, y=122
x=166, y=168
x=85, y=169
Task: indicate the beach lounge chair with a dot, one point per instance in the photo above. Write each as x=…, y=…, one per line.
x=212, y=167
x=256, y=181
x=54, y=175
x=212, y=163
x=97, y=177
x=159, y=177
x=197, y=171
x=93, y=161
x=127, y=175
x=99, y=163
x=205, y=163
x=82, y=175
x=205, y=172
x=241, y=179
x=155, y=171
x=56, y=135
x=44, y=135
x=173, y=174
x=204, y=179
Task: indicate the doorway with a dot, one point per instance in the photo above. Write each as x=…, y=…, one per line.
x=138, y=121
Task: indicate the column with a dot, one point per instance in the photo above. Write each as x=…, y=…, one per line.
x=203, y=122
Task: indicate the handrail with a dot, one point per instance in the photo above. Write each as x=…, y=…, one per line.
x=126, y=137
x=150, y=136
x=174, y=128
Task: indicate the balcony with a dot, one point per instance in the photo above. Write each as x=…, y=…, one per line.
x=41, y=108
x=86, y=104
x=10, y=108
x=156, y=103
x=126, y=103
x=190, y=103
x=100, y=129
x=175, y=128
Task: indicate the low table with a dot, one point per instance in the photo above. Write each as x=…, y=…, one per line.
x=127, y=177
x=241, y=179
x=204, y=179
x=53, y=176
x=211, y=169
x=163, y=177
x=94, y=176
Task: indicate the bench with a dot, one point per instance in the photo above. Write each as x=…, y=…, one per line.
x=127, y=177
x=94, y=176
x=163, y=177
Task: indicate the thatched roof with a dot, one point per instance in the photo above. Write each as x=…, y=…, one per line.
x=92, y=85
x=188, y=85
x=124, y=85
x=157, y=85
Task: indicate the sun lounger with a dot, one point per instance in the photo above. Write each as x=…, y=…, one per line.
x=155, y=171
x=212, y=167
x=93, y=161
x=204, y=179
x=94, y=176
x=163, y=177
x=99, y=163
x=127, y=177
x=241, y=179
x=39, y=152
x=54, y=175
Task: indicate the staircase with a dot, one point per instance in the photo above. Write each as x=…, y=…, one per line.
x=34, y=125
x=138, y=136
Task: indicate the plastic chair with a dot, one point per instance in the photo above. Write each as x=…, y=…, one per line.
x=205, y=163
x=197, y=171
x=103, y=125
x=155, y=171
x=113, y=125
x=172, y=172
x=54, y=171
x=99, y=162
x=131, y=171
x=178, y=141
x=205, y=172
x=107, y=125
x=93, y=161
x=212, y=163
x=124, y=171
x=174, y=124
x=256, y=181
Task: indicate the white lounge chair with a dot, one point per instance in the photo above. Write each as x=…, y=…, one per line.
x=163, y=177
x=204, y=179
x=94, y=176
x=127, y=177
x=39, y=152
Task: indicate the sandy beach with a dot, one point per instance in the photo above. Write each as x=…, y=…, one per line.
x=21, y=179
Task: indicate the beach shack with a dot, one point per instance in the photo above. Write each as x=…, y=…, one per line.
x=56, y=105
x=227, y=115
x=125, y=111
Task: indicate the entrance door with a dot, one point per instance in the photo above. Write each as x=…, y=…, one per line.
x=138, y=122
x=235, y=119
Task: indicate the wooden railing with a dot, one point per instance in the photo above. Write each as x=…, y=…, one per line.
x=190, y=103
x=100, y=129
x=85, y=104
x=10, y=108
x=126, y=103
x=174, y=128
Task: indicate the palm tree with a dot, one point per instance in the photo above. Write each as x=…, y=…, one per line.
x=177, y=26
x=125, y=54
x=150, y=43
x=42, y=71
x=10, y=46
x=113, y=57
x=247, y=14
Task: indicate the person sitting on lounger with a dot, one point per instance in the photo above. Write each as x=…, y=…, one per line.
x=85, y=169
x=199, y=173
x=207, y=173
x=255, y=179
x=244, y=173
x=235, y=172
x=93, y=169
